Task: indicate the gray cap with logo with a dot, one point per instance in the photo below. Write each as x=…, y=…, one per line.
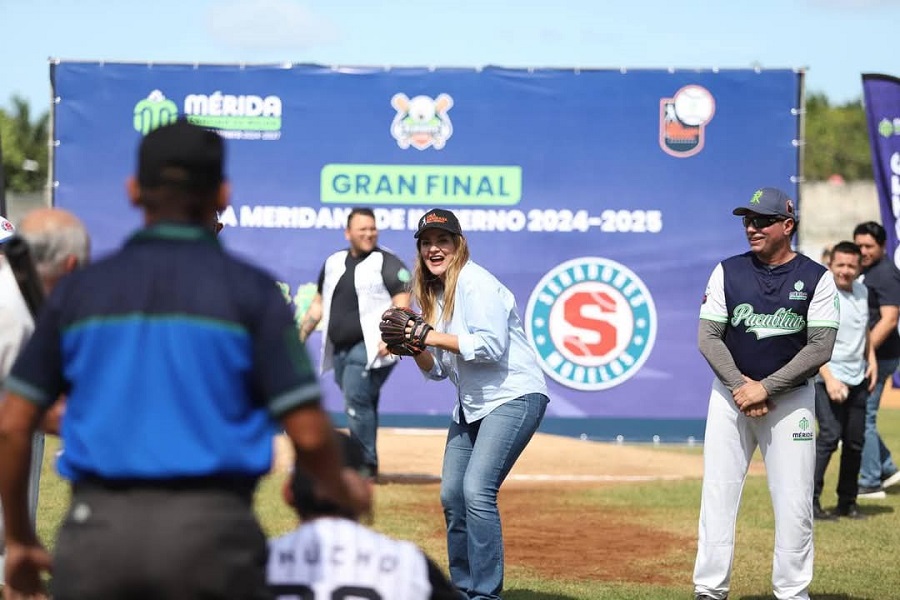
x=768, y=201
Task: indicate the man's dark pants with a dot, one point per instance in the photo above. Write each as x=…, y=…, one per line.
x=844, y=422
x=174, y=542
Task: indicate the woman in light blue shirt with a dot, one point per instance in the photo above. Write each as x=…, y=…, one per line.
x=478, y=342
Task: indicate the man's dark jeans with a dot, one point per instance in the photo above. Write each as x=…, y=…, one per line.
x=844, y=422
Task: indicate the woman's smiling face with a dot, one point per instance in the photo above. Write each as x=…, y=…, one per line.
x=437, y=248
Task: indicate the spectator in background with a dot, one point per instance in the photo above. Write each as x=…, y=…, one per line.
x=356, y=285
x=882, y=279
x=826, y=256
x=59, y=244
x=842, y=386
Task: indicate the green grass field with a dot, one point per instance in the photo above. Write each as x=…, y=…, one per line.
x=855, y=560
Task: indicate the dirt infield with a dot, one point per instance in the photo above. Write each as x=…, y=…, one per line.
x=418, y=453
x=591, y=543
x=415, y=454
x=616, y=545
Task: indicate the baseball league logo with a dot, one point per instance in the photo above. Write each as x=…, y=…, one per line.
x=421, y=122
x=683, y=119
x=593, y=323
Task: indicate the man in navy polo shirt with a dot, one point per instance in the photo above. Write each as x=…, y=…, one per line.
x=176, y=359
x=768, y=321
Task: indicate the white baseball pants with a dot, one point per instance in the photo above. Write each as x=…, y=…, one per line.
x=786, y=440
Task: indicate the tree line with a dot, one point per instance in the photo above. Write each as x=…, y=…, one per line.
x=837, y=143
x=26, y=147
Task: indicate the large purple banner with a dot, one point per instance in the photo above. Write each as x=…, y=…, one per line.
x=881, y=96
x=601, y=198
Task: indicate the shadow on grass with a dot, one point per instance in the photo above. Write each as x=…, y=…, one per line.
x=814, y=597
x=529, y=595
x=867, y=510
x=875, y=509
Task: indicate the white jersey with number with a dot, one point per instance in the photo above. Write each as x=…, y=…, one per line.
x=338, y=559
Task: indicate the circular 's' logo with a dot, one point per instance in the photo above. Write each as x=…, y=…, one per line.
x=593, y=323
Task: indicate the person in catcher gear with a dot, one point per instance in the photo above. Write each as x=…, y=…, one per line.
x=768, y=322
x=331, y=555
x=478, y=342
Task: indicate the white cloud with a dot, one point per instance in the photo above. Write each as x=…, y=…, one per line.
x=269, y=25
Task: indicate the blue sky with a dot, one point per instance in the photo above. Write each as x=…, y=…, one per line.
x=835, y=40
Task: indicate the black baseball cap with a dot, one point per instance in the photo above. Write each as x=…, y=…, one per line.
x=181, y=154
x=306, y=501
x=768, y=201
x=438, y=218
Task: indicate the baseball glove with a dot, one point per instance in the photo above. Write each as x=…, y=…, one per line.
x=404, y=331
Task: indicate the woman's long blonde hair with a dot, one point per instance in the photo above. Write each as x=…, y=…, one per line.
x=426, y=287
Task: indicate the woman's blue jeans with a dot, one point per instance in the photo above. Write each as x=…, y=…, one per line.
x=477, y=459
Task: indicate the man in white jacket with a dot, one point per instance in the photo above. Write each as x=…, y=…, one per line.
x=356, y=285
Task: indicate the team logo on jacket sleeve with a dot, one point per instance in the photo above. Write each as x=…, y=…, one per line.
x=593, y=323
